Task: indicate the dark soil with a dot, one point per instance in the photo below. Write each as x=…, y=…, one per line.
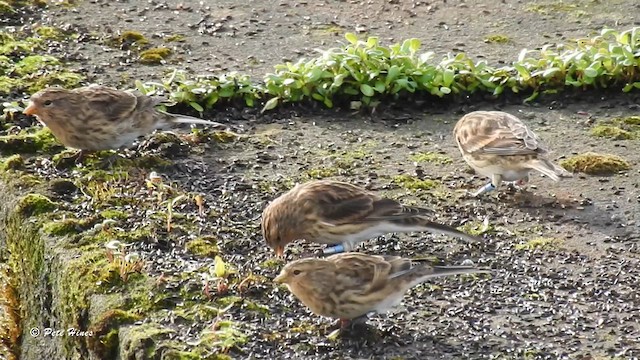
x=576, y=298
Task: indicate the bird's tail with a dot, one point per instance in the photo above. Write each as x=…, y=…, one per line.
x=553, y=171
x=423, y=223
x=185, y=119
x=420, y=274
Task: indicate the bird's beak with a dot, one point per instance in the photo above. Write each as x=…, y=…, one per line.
x=31, y=109
x=280, y=279
x=279, y=251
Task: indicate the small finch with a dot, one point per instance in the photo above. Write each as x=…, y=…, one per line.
x=350, y=285
x=341, y=214
x=101, y=118
x=501, y=147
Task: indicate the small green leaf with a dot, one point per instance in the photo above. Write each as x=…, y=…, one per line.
x=589, y=72
x=196, y=106
x=350, y=91
x=550, y=72
x=351, y=37
x=366, y=89
x=226, y=92
x=220, y=269
x=314, y=75
x=328, y=103
x=447, y=78
x=445, y=90
x=372, y=41
x=414, y=45
x=380, y=86
x=271, y=104
x=288, y=81
x=393, y=73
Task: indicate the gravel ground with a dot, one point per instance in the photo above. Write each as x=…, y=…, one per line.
x=573, y=298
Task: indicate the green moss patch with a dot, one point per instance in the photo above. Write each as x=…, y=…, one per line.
x=31, y=140
x=34, y=204
x=539, y=243
x=203, y=246
x=13, y=162
x=154, y=56
x=129, y=40
x=625, y=128
x=497, y=39
x=66, y=226
x=114, y=214
x=413, y=183
x=23, y=70
x=321, y=172
x=431, y=157
x=595, y=164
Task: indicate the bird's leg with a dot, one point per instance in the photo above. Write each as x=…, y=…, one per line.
x=111, y=160
x=522, y=182
x=496, y=180
x=79, y=156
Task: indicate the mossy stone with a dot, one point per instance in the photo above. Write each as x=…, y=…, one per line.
x=62, y=186
x=65, y=227
x=105, y=340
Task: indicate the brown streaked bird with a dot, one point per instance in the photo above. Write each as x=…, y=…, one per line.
x=501, y=147
x=350, y=285
x=341, y=214
x=101, y=118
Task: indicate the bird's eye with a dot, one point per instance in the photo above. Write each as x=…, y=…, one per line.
x=296, y=272
x=48, y=103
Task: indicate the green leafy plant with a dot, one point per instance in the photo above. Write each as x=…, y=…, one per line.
x=363, y=72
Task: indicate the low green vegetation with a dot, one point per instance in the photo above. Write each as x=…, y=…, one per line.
x=596, y=164
x=361, y=73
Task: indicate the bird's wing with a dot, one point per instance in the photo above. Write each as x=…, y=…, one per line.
x=360, y=271
x=340, y=203
x=498, y=133
x=114, y=104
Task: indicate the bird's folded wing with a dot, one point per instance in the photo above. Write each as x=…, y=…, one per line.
x=363, y=272
x=114, y=104
x=504, y=137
